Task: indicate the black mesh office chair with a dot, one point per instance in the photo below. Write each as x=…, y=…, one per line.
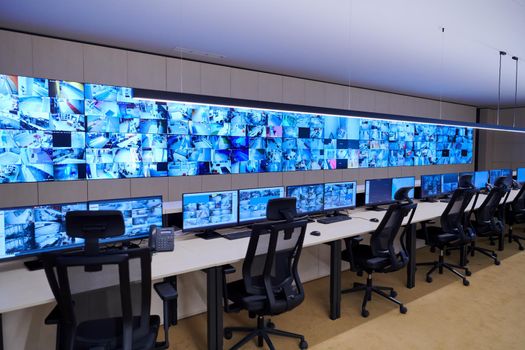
x=454, y=232
x=270, y=283
x=115, y=311
x=487, y=223
x=516, y=215
x=380, y=255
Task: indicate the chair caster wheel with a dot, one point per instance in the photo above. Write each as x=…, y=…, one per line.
x=521, y=248
x=365, y=313
x=466, y=282
x=403, y=309
x=393, y=294
x=468, y=273
x=303, y=344
x=429, y=279
x=270, y=325
x=228, y=334
x=497, y=262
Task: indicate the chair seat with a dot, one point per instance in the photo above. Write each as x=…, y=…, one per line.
x=258, y=303
x=364, y=259
x=102, y=332
x=440, y=239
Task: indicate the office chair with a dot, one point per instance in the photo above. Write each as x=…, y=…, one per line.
x=516, y=215
x=115, y=312
x=380, y=255
x=486, y=222
x=270, y=284
x=454, y=232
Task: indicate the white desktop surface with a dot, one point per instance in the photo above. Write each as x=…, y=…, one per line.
x=21, y=288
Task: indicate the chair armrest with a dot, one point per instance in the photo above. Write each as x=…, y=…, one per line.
x=228, y=269
x=166, y=291
x=53, y=317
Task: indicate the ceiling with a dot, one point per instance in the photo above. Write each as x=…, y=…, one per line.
x=395, y=46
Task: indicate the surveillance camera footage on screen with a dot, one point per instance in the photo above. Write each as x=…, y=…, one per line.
x=58, y=130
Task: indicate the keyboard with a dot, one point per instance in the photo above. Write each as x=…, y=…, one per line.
x=237, y=235
x=332, y=219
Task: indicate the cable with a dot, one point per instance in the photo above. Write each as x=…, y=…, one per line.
x=501, y=53
x=515, y=58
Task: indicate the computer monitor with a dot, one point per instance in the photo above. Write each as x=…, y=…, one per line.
x=30, y=231
x=378, y=192
x=400, y=182
x=496, y=173
x=209, y=210
x=481, y=178
x=430, y=186
x=253, y=202
x=310, y=198
x=520, y=175
x=449, y=183
x=139, y=214
x=339, y=195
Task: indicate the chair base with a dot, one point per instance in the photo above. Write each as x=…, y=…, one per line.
x=369, y=288
x=440, y=265
x=262, y=333
x=516, y=238
x=487, y=252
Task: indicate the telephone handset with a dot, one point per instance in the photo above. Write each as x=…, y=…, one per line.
x=161, y=239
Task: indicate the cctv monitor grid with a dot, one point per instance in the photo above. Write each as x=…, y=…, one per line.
x=28, y=231
x=59, y=130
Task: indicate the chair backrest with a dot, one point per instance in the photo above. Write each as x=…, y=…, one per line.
x=117, y=293
x=518, y=203
x=453, y=217
x=382, y=240
x=485, y=214
x=270, y=266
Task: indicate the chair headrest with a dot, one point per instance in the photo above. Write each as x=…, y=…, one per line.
x=281, y=209
x=402, y=194
x=94, y=224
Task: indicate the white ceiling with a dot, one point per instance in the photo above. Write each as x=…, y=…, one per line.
x=387, y=45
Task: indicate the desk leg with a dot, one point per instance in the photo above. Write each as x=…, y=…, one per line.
x=335, y=280
x=214, y=296
x=411, y=247
x=172, y=305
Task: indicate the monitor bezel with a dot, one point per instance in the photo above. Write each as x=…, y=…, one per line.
x=310, y=212
x=142, y=236
x=379, y=203
x=340, y=208
x=211, y=227
x=251, y=221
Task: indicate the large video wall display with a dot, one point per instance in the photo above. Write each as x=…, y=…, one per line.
x=59, y=130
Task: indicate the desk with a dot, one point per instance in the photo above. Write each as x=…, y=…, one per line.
x=21, y=288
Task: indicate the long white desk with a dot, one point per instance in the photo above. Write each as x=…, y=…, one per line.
x=21, y=288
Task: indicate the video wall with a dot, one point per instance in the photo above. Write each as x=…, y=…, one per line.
x=58, y=130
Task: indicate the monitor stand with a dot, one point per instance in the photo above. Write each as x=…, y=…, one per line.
x=376, y=208
x=429, y=200
x=208, y=234
x=335, y=213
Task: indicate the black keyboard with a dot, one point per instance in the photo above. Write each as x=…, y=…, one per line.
x=332, y=219
x=237, y=235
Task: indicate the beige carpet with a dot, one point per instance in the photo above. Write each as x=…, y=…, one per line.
x=489, y=314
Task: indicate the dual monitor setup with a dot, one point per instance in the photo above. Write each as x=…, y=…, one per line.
x=34, y=230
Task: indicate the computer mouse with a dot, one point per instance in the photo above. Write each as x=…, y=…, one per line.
x=315, y=233
x=374, y=219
